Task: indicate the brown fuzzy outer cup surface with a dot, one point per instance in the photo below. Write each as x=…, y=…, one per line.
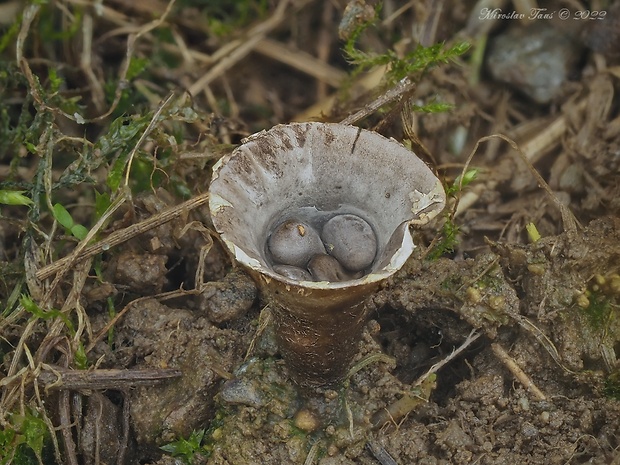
x=312, y=172
x=317, y=330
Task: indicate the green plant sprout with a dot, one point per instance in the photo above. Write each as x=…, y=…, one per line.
x=598, y=309
x=433, y=107
x=64, y=218
x=450, y=230
x=532, y=232
x=14, y=198
x=37, y=312
x=79, y=356
x=186, y=449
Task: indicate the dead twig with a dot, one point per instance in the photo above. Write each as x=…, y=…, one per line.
x=530, y=152
x=542, y=338
x=123, y=235
x=312, y=453
x=473, y=336
x=404, y=86
x=120, y=458
x=64, y=416
x=364, y=84
x=517, y=372
x=59, y=378
x=301, y=61
x=399, y=409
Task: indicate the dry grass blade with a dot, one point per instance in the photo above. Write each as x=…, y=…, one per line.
x=64, y=414
x=144, y=135
x=324, y=107
x=542, y=338
x=530, y=152
x=312, y=454
x=302, y=61
x=241, y=49
x=379, y=452
x=77, y=255
x=123, y=235
x=31, y=12
x=571, y=225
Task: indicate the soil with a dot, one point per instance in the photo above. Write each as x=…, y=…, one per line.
x=474, y=410
x=503, y=348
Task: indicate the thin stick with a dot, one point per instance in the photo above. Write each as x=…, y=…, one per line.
x=64, y=414
x=29, y=15
x=59, y=378
x=231, y=57
x=542, y=338
x=379, y=452
x=517, y=372
x=123, y=235
x=404, y=86
x=144, y=135
x=473, y=335
x=312, y=453
x=530, y=152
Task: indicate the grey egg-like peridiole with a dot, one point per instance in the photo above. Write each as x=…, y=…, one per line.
x=351, y=240
x=294, y=243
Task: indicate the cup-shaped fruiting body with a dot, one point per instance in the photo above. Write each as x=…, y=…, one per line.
x=355, y=190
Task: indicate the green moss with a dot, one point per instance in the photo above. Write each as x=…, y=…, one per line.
x=611, y=387
x=598, y=311
x=449, y=236
x=452, y=283
x=22, y=443
x=447, y=242
x=414, y=63
x=491, y=282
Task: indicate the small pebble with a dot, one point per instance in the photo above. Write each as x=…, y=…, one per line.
x=305, y=420
x=537, y=59
x=293, y=272
x=242, y=392
x=351, y=241
x=294, y=243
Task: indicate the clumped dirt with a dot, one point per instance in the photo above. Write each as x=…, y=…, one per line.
x=504, y=348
